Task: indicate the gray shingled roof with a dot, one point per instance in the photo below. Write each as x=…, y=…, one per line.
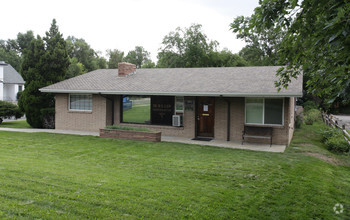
x=12, y=76
x=223, y=81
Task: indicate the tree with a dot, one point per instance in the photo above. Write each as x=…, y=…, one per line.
x=10, y=56
x=262, y=44
x=115, y=57
x=190, y=47
x=12, y=49
x=316, y=42
x=44, y=62
x=138, y=56
x=148, y=64
x=75, y=68
x=23, y=41
x=187, y=47
x=85, y=55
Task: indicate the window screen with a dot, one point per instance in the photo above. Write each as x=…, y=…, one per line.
x=254, y=110
x=264, y=111
x=80, y=102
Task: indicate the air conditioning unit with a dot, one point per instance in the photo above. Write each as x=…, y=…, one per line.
x=177, y=120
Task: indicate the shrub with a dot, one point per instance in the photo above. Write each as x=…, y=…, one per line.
x=8, y=110
x=309, y=105
x=311, y=116
x=337, y=144
x=334, y=140
x=328, y=133
x=128, y=128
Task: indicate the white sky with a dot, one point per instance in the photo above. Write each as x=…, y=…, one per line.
x=115, y=24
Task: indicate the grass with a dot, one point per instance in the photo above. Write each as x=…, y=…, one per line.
x=129, y=128
x=54, y=176
x=138, y=114
x=15, y=124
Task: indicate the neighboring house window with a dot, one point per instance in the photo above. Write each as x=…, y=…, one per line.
x=155, y=110
x=20, y=88
x=265, y=111
x=179, y=104
x=80, y=102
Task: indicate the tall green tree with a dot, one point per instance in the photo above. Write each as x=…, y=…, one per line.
x=190, y=47
x=115, y=57
x=10, y=56
x=81, y=50
x=316, y=42
x=75, y=68
x=139, y=56
x=11, y=50
x=187, y=47
x=45, y=62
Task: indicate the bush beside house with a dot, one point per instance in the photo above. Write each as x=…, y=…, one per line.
x=8, y=110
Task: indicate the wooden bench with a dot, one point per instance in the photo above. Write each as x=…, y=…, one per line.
x=251, y=131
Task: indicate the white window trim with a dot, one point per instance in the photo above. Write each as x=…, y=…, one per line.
x=79, y=110
x=263, y=113
x=183, y=104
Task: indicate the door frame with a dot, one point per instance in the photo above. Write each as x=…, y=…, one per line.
x=197, y=117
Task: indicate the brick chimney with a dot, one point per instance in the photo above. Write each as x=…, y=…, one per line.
x=125, y=69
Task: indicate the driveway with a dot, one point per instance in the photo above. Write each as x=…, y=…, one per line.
x=343, y=120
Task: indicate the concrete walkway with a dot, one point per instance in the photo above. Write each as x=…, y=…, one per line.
x=216, y=143
x=57, y=131
x=229, y=144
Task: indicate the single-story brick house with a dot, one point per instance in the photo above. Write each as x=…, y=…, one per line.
x=184, y=102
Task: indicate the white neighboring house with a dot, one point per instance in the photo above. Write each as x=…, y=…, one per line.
x=11, y=82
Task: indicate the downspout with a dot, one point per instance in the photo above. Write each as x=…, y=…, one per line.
x=112, y=100
x=228, y=118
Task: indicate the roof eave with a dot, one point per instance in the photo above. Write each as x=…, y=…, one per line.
x=214, y=94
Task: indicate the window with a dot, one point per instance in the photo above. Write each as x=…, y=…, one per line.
x=20, y=88
x=179, y=104
x=155, y=110
x=80, y=102
x=136, y=109
x=266, y=111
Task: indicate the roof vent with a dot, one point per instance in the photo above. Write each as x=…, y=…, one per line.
x=125, y=69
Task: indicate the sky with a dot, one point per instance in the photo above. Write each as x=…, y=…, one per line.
x=122, y=25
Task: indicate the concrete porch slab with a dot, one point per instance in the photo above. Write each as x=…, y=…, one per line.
x=228, y=144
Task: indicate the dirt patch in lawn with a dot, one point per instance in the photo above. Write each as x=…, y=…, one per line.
x=327, y=159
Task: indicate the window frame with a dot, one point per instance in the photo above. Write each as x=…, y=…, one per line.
x=263, y=111
x=183, y=104
x=79, y=110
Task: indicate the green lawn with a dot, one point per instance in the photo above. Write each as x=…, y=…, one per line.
x=53, y=176
x=15, y=124
x=138, y=114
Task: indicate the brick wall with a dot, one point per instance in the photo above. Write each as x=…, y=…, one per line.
x=100, y=116
x=78, y=120
x=131, y=135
